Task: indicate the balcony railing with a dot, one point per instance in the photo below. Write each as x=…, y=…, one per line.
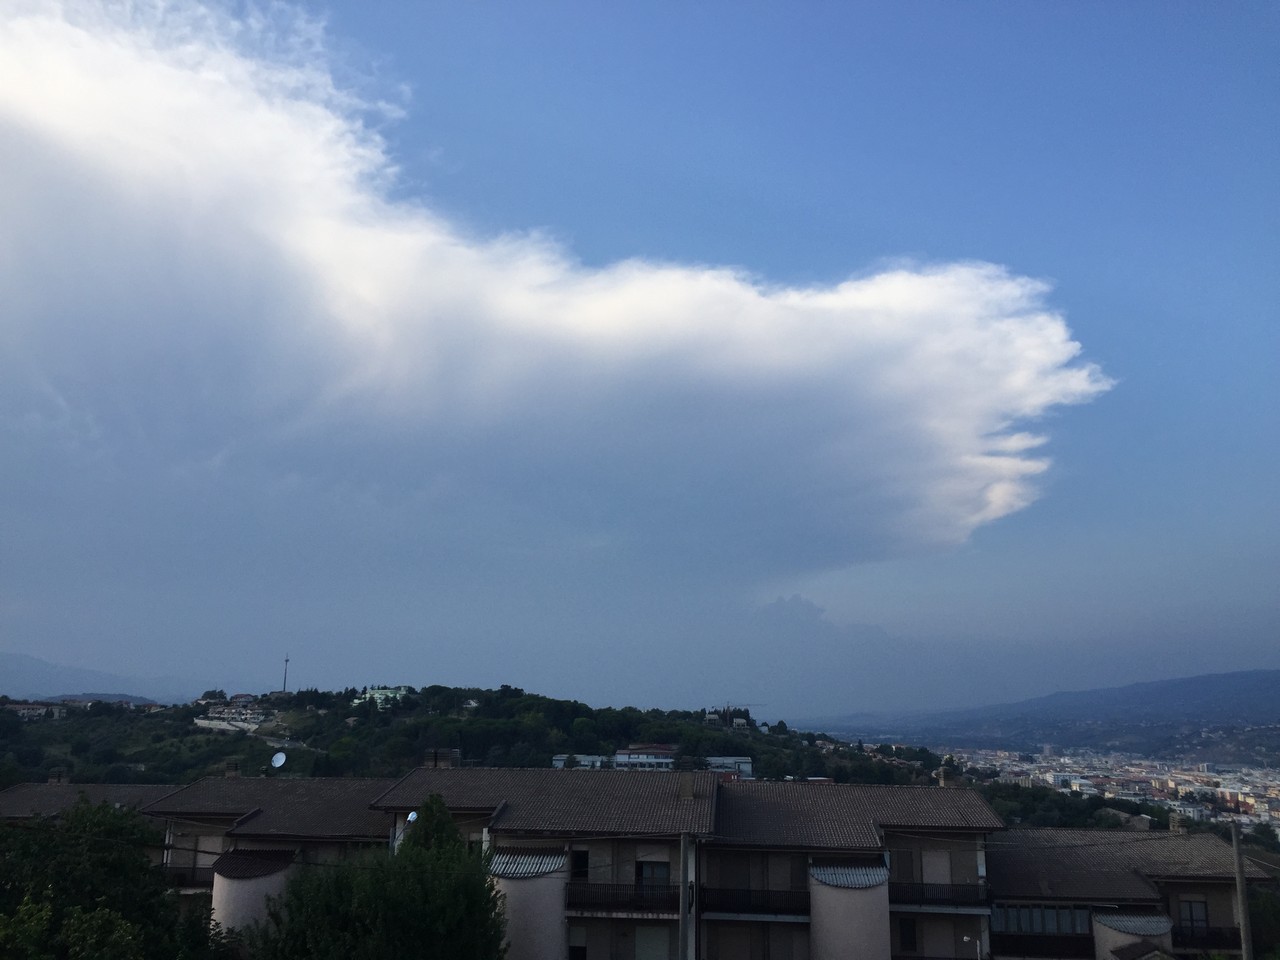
x=1060, y=945
x=187, y=876
x=939, y=894
x=623, y=897
x=1207, y=938
x=725, y=900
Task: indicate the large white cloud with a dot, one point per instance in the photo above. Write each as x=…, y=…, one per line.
x=210, y=298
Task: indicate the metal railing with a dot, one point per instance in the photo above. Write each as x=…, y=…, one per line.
x=727, y=900
x=929, y=894
x=1210, y=938
x=187, y=876
x=623, y=897
x=1057, y=945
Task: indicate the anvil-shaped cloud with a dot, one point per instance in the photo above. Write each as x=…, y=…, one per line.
x=218, y=321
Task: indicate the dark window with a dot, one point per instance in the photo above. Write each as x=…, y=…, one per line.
x=652, y=872
x=1193, y=914
x=907, y=935
x=579, y=864
x=577, y=953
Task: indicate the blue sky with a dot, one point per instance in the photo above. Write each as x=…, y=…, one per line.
x=651, y=354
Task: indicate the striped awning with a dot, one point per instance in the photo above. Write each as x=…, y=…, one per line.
x=849, y=877
x=523, y=863
x=1136, y=924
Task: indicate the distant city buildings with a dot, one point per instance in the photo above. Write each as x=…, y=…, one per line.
x=382, y=696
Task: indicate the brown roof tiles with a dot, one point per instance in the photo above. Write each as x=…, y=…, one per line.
x=283, y=807
x=843, y=816
x=1097, y=865
x=631, y=802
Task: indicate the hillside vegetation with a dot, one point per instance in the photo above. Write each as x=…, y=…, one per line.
x=324, y=734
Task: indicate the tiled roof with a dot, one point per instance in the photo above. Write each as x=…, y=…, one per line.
x=843, y=816
x=250, y=864
x=633, y=802
x=49, y=799
x=284, y=807
x=1137, y=924
x=1098, y=865
x=851, y=878
x=515, y=863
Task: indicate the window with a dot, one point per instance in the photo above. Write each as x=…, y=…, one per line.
x=1007, y=918
x=651, y=871
x=577, y=942
x=1193, y=914
x=908, y=940
x=579, y=864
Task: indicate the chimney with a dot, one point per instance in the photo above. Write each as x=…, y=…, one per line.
x=233, y=769
x=58, y=775
x=1177, y=823
x=685, y=786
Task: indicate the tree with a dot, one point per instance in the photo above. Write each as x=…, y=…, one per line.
x=214, y=695
x=432, y=899
x=1264, y=835
x=81, y=886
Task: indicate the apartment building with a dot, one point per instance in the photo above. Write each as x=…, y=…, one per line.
x=636, y=865
x=604, y=865
x=1103, y=894
x=239, y=839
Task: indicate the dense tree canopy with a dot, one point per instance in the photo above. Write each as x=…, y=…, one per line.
x=82, y=887
x=332, y=736
x=432, y=900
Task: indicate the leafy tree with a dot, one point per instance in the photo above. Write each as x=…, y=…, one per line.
x=1264, y=835
x=81, y=887
x=432, y=900
x=214, y=695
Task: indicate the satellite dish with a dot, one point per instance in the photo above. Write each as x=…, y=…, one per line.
x=413, y=816
x=278, y=760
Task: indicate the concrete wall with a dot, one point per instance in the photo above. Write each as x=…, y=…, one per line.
x=623, y=939
x=907, y=857
x=614, y=861
x=755, y=870
x=237, y=903
x=848, y=924
x=196, y=844
x=1218, y=897
x=535, y=916
x=755, y=940
x=1106, y=941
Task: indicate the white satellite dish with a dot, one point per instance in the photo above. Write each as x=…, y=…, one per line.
x=413, y=816
x=278, y=760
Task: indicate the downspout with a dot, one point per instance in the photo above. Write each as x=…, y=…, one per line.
x=686, y=897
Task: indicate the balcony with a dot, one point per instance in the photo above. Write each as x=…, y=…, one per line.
x=1206, y=938
x=1061, y=945
x=622, y=897
x=775, y=902
x=939, y=894
x=180, y=875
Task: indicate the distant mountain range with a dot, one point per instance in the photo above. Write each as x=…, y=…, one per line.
x=30, y=678
x=1218, y=699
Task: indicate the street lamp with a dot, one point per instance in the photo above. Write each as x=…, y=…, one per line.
x=977, y=944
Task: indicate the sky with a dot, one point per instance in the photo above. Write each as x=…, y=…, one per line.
x=825, y=358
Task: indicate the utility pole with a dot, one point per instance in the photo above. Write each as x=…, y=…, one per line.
x=284, y=687
x=1242, y=893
